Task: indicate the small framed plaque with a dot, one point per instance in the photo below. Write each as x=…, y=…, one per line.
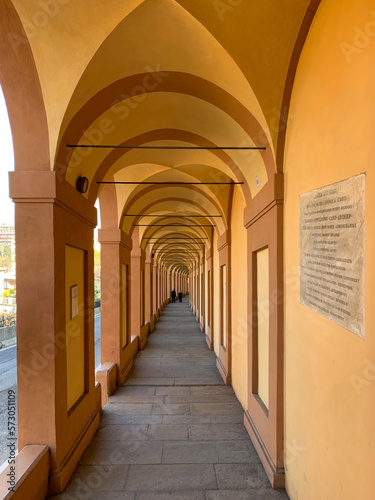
x=73, y=301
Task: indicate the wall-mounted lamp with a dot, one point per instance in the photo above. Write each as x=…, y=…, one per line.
x=82, y=184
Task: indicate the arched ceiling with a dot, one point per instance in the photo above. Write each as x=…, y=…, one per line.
x=156, y=73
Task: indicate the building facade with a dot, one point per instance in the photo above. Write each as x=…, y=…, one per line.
x=7, y=236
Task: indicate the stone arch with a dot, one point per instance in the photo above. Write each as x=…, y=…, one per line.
x=20, y=82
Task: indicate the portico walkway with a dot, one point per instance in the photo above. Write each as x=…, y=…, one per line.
x=174, y=430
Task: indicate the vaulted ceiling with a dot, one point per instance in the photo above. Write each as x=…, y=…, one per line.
x=166, y=73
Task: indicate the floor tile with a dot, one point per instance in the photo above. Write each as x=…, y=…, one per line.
x=218, y=432
x=168, y=432
x=174, y=430
x=241, y=476
x=189, y=452
x=171, y=477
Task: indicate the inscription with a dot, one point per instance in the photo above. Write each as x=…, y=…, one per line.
x=332, y=252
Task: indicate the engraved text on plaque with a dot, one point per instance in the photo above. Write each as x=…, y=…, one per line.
x=332, y=252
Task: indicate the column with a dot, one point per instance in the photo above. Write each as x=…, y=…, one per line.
x=202, y=294
x=224, y=359
x=169, y=283
x=149, y=316
x=192, y=287
x=264, y=223
x=155, y=280
x=210, y=302
x=197, y=292
x=115, y=303
x=58, y=403
x=160, y=292
x=138, y=324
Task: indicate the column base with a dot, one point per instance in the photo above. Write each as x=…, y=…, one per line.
x=152, y=323
x=143, y=336
x=123, y=375
x=276, y=475
x=59, y=478
x=201, y=324
x=209, y=343
x=106, y=376
x=209, y=340
x=130, y=353
x=223, y=372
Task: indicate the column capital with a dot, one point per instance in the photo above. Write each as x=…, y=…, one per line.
x=49, y=187
x=114, y=235
x=138, y=252
x=149, y=259
x=224, y=240
x=270, y=196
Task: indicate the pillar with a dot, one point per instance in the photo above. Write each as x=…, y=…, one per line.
x=115, y=301
x=224, y=358
x=192, y=287
x=155, y=294
x=210, y=302
x=197, y=291
x=149, y=290
x=170, y=277
x=160, y=288
x=202, y=293
x=265, y=425
x=137, y=304
x=58, y=401
x=165, y=279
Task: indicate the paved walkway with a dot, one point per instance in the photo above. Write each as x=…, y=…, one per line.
x=174, y=430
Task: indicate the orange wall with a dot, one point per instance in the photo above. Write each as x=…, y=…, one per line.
x=124, y=305
x=216, y=296
x=239, y=299
x=330, y=372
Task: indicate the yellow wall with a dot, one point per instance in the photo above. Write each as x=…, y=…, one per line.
x=330, y=372
x=263, y=301
x=239, y=299
x=75, y=328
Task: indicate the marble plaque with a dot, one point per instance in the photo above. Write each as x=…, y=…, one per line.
x=332, y=252
x=73, y=301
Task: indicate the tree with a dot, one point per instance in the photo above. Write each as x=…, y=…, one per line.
x=6, y=258
x=97, y=290
x=96, y=258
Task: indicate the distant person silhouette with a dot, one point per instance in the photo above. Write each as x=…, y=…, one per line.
x=173, y=295
x=180, y=296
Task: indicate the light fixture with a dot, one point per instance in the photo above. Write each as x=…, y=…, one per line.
x=82, y=184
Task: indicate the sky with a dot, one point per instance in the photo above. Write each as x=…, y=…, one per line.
x=6, y=164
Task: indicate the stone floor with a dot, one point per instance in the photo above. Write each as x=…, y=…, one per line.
x=174, y=430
